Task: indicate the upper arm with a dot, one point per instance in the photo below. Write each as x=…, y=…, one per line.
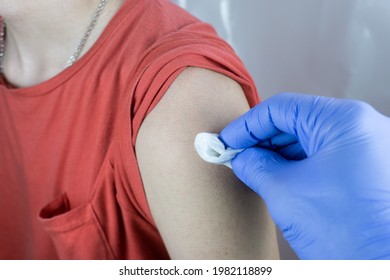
x=201, y=210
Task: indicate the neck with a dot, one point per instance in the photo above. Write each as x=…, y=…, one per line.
x=43, y=34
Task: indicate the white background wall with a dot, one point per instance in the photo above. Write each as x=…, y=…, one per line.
x=337, y=48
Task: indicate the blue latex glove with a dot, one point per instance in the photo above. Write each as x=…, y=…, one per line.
x=323, y=171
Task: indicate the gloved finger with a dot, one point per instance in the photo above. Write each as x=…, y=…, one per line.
x=277, y=114
x=278, y=141
x=258, y=168
x=292, y=152
x=285, y=145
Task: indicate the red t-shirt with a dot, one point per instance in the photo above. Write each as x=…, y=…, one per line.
x=70, y=186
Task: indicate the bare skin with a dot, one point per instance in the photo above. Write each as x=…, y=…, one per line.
x=42, y=35
x=202, y=211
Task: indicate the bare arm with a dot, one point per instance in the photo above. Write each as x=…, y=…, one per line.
x=201, y=210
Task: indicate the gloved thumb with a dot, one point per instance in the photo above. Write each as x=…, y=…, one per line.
x=260, y=170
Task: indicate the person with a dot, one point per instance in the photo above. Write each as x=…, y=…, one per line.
x=322, y=167
x=99, y=103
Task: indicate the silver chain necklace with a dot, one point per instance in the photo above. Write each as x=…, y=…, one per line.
x=77, y=50
x=2, y=44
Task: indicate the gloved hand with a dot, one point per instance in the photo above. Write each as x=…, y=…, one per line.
x=322, y=166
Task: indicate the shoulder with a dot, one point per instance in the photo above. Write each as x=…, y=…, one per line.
x=206, y=99
x=200, y=209
x=198, y=100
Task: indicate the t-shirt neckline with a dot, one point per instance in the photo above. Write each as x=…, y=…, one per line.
x=65, y=75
